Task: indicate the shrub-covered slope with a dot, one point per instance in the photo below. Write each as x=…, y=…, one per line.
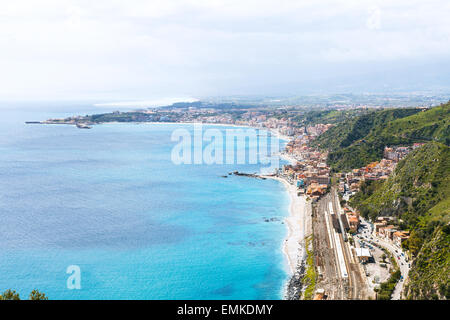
x=352, y=130
x=356, y=143
x=429, y=277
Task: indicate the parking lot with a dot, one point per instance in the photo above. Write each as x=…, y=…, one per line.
x=378, y=271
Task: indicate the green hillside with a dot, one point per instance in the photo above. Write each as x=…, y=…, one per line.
x=352, y=130
x=429, y=277
x=418, y=194
x=433, y=124
x=314, y=117
x=357, y=142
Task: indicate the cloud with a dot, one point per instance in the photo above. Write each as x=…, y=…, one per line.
x=374, y=19
x=127, y=50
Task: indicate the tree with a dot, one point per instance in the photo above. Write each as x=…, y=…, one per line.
x=350, y=239
x=414, y=242
x=36, y=295
x=9, y=295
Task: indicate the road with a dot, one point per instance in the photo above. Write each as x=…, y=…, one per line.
x=396, y=253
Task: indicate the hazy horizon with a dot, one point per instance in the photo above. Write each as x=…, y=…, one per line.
x=151, y=50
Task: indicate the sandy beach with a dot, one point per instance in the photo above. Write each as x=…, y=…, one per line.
x=296, y=223
x=288, y=158
x=277, y=134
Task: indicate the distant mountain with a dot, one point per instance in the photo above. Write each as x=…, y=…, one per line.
x=357, y=142
x=418, y=194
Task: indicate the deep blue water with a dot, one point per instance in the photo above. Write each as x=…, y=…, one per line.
x=111, y=201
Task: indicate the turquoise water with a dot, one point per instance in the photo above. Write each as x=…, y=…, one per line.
x=139, y=227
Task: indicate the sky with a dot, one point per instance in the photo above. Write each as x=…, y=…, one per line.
x=110, y=50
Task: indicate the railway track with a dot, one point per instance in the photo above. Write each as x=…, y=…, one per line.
x=324, y=248
x=340, y=272
x=356, y=285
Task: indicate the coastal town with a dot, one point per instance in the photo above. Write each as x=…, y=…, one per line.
x=361, y=247
x=352, y=257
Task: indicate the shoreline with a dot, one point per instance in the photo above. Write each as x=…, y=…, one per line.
x=296, y=220
x=293, y=245
x=288, y=158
